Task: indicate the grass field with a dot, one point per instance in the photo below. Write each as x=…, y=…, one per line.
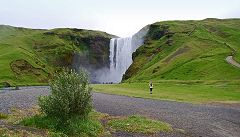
x=222, y=92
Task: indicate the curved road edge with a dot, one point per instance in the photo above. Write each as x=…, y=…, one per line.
x=231, y=61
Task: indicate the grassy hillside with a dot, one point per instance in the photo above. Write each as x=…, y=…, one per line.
x=173, y=50
x=29, y=57
x=187, y=50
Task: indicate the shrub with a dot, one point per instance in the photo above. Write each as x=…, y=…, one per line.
x=70, y=96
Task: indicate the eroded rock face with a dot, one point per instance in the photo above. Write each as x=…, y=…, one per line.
x=22, y=67
x=96, y=55
x=157, y=31
x=95, y=59
x=5, y=84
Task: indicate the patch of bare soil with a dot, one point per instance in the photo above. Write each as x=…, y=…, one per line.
x=10, y=127
x=177, y=53
x=21, y=66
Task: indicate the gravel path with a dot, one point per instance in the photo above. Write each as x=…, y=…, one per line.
x=196, y=120
x=230, y=60
x=24, y=98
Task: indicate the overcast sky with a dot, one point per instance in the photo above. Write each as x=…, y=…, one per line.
x=118, y=17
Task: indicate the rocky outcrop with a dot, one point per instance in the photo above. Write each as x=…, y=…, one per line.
x=156, y=32
x=89, y=49
x=96, y=52
x=92, y=48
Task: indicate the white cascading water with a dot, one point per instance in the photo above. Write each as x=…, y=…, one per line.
x=120, y=57
x=121, y=50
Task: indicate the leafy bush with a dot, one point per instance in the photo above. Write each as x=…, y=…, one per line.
x=70, y=96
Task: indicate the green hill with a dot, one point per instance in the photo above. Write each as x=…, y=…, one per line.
x=173, y=50
x=30, y=56
x=187, y=50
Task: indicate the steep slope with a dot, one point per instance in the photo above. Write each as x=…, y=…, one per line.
x=188, y=50
x=29, y=57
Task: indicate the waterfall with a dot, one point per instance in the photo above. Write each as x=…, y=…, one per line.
x=120, y=57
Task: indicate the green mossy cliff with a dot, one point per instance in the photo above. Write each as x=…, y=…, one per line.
x=187, y=50
x=31, y=56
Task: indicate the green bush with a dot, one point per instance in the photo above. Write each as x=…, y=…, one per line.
x=70, y=96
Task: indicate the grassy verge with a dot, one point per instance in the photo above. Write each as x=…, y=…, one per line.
x=90, y=126
x=139, y=124
x=31, y=123
x=183, y=92
x=4, y=132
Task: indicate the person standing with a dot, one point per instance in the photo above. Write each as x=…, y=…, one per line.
x=151, y=87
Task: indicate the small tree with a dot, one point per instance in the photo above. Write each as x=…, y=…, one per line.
x=70, y=96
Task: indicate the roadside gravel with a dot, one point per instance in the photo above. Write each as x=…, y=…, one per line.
x=195, y=120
